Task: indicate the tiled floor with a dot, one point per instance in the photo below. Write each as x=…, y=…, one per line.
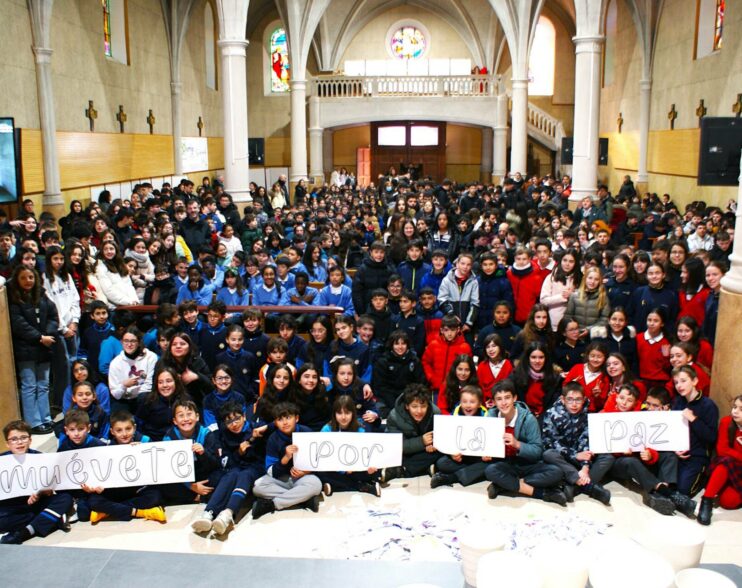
x=303, y=534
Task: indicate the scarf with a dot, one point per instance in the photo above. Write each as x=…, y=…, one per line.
x=534, y=375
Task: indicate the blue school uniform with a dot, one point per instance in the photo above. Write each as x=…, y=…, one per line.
x=109, y=349
x=358, y=351
x=202, y=296
x=91, y=341
x=363, y=405
x=211, y=342
x=257, y=344
x=343, y=299
x=214, y=402
x=245, y=366
x=233, y=297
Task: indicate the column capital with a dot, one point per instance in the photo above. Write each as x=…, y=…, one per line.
x=42, y=54
x=588, y=43
x=645, y=84
x=298, y=85
x=176, y=87
x=519, y=82
x=236, y=47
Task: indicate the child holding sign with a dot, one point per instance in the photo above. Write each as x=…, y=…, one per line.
x=726, y=468
x=345, y=418
x=465, y=469
x=659, y=494
x=522, y=470
x=566, y=445
x=412, y=416
x=284, y=486
x=703, y=416
x=40, y=513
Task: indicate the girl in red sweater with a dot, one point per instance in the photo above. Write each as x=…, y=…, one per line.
x=693, y=290
x=653, y=350
x=726, y=468
x=526, y=284
x=688, y=331
x=463, y=372
x=536, y=380
x=493, y=367
x=619, y=372
x=683, y=354
x=592, y=375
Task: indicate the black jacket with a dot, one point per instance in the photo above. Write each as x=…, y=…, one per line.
x=370, y=275
x=28, y=323
x=195, y=233
x=391, y=374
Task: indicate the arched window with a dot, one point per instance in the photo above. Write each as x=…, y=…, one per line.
x=209, y=43
x=709, y=27
x=541, y=60
x=609, y=54
x=278, y=49
x=115, y=42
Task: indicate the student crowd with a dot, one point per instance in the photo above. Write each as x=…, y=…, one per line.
x=470, y=300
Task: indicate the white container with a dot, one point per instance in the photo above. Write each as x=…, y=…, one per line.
x=560, y=565
x=476, y=541
x=679, y=541
x=507, y=568
x=630, y=567
x=700, y=578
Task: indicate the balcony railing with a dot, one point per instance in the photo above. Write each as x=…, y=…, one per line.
x=407, y=86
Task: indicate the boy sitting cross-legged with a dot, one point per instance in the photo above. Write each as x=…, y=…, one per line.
x=40, y=513
x=284, y=486
x=243, y=460
x=521, y=470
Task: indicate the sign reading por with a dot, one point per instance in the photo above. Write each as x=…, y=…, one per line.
x=347, y=452
x=111, y=467
x=482, y=436
x=617, y=432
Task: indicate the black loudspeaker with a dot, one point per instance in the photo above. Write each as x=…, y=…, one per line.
x=567, y=145
x=602, y=151
x=256, y=151
x=721, y=144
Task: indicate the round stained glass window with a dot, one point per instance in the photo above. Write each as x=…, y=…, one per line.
x=408, y=42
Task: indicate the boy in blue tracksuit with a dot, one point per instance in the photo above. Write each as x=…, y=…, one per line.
x=39, y=514
x=439, y=267
x=284, y=486
x=212, y=339
x=243, y=459
x=347, y=345
x=287, y=328
x=92, y=338
x=336, y=293
x=190, y=324
x=493, y=287
x=413, y=269
x=244, y=366
x=410, y=321
x=206, y=454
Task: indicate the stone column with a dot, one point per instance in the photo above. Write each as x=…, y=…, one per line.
x=724, y=376
x=175, y=90
x=316, y=168
x=234, y=95
x=645, y=97
x=327, y=151
x=519, y=118
x=499, y=151
x=298, y=130
x=486, y=161
x=587, y=116
x=40, y=12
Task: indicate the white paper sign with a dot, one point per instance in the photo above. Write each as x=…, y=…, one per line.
x=111, y=467
x=346, y=452
x=482, y=436
x=617, y=432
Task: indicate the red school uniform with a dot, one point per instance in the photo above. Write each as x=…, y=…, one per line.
x=704, y=382
x=654, y=359
x=694, y=306
x=439, y=356
x=488, y=378
x=597, y=390
x=526, y=284
x=705, y=355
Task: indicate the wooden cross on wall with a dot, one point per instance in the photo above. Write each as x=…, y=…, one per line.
x=619, y=121
x=121, y=117
x=91, y=113
x=671, y=116
x=701, y=111
x=151, y=121
x=200, y=125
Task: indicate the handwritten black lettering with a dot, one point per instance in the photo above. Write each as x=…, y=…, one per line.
x=76, y=470
x=152, y=452
x=177, y=462
x=128, y=469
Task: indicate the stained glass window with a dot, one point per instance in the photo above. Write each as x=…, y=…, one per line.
x=719, y=24
x=408, y=43
x=107, y=27
x=279, y=52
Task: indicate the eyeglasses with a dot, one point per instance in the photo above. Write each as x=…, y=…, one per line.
x=16, y=440
x=574, y=400
x=222, y=378
x=229, y=422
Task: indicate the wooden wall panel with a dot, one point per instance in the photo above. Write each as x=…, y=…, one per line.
x=623, y=150
x=674, y=152
x=346, y=141
x=463, y=172
x=277, y=151
x=32, y=162
x=216, y=152
x=463, y=145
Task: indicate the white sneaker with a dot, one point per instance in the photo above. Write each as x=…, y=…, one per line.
x=202, y=524
x=222, y=522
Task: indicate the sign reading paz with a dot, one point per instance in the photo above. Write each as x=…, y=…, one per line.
x=111, y=467
x=482, y=436
x=617, y=432
x=346, y=452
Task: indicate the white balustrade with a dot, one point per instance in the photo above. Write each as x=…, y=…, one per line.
x=410, y=86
